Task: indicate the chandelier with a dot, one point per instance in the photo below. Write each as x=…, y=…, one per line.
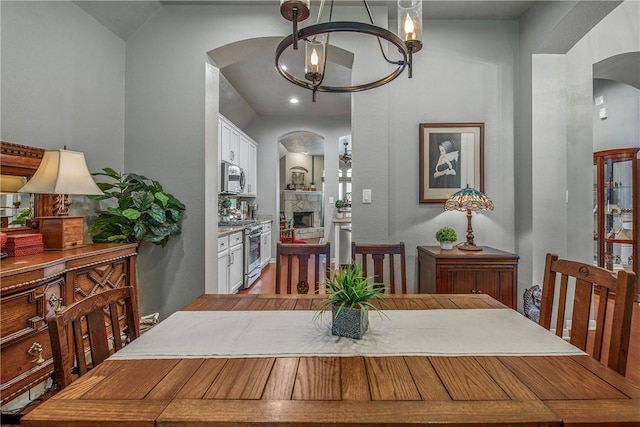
x=346, y=157
x=316, y=39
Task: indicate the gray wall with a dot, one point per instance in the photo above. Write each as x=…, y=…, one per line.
x=63, y=84
x=535, y=28
x=621, y=128
x=554, y=125
x=62, y=81
x=464, y=73
x=617, y=33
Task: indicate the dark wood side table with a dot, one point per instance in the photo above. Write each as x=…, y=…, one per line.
x=490, y=271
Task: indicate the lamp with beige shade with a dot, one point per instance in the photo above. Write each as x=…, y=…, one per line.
x=62, y=172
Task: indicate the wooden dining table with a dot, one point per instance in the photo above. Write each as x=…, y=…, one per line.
x=396, y=390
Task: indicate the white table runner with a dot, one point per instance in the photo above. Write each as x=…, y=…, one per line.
x=486, y=332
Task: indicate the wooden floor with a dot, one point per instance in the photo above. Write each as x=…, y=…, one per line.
x=266, y=285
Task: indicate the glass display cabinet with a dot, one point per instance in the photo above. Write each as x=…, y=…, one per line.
x=615, y=209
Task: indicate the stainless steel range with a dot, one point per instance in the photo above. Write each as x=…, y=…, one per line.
x=252, y=233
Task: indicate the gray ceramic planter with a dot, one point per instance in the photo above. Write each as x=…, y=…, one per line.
x=350, y=322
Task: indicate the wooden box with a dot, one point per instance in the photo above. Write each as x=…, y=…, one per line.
x=62, y=232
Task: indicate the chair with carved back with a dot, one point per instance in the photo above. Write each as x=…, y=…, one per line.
x=377, y=253
x=300, y=265
x=583, y=278
x=91, y=317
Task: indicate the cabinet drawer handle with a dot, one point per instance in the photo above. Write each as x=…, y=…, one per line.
x=35, y=351
x=56, y=302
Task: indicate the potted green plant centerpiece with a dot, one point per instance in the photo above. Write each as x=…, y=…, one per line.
x=350, y=296
x=446, y=236
x=340, y=204
x=143, y=211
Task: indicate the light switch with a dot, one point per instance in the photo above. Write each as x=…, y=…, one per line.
x=599, y=100
x=603, y=113
x=366, y=195
x=331, y=199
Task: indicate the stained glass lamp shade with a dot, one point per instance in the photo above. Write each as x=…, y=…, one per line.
x=469, y=199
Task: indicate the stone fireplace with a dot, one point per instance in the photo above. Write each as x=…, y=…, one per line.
x=303, y=210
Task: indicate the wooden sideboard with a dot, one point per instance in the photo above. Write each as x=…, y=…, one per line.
x=489, y=271
x=32, y=287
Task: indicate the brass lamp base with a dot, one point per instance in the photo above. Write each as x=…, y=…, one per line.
x=469, y=245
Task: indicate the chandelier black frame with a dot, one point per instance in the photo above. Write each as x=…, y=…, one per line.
x=296, y=11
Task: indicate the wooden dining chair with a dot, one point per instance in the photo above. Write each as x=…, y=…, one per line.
x=287, y=235
x=376, y=253
x=295, y=263
x=91, y=318
x=584, y=278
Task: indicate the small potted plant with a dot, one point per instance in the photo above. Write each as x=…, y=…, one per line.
x=350, y=296
x=340, y=204
x=446, y=236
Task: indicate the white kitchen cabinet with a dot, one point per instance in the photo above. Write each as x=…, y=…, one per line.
x=265, y=244
x=236, y=263
x=230, y=263
x=243, y=161
x=229, y=142
x=238, y=148
x=223, y=265
x=252, y=176
x=248, y=163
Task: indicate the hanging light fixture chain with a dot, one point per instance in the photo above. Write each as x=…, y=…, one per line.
x=384, y=55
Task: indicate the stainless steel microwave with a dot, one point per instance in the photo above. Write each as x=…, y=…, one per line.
x=232, y=179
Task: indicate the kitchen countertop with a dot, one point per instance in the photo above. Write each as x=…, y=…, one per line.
x=225, y=231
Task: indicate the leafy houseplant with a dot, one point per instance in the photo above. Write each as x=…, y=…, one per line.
x=22, y=217
x=340, y=204
x=350, y=296
x=446, y=236
x=144, y=212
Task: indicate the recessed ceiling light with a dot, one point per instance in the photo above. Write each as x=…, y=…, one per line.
x=284, y=67
x=294, y=100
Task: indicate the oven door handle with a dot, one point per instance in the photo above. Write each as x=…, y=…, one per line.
x=255, y=233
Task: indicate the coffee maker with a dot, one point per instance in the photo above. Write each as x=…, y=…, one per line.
x=252, y=209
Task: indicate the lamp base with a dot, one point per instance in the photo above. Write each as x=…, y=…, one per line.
x=470, y=247
x=61, y=232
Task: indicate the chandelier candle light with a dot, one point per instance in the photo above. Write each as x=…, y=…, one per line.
x=408, y=41
x=469, y=199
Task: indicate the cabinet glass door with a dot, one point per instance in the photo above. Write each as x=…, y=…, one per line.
x=618, y=214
